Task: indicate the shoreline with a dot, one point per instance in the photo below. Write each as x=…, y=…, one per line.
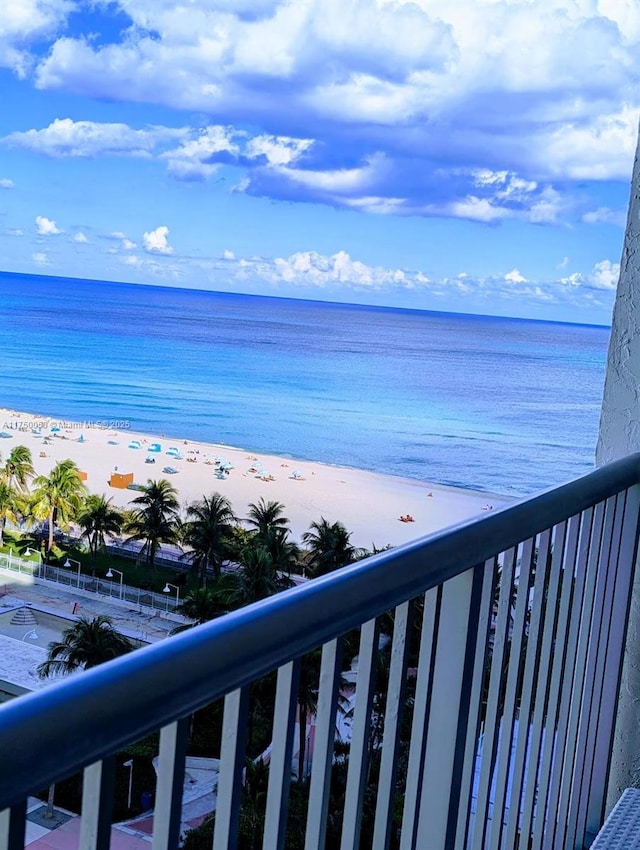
x=369, y=504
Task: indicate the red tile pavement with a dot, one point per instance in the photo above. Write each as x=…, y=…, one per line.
x=143, y=825
x=67, y=837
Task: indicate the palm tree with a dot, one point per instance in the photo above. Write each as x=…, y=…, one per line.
x=97, y=520
x=155, y=518
x=18, y=468
x=85, y=644
x=264, y=516
x=329, y=547
x=256, y=578
x=11, y=505
x=284, y=554
x=14, y=477
x=58, y=497
x=208, y=532
x=200, y=606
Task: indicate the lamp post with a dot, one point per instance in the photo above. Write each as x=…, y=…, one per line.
x=129, y=764
x=167, y=589
x=28, y=551
x=109, y=574
x=71, y=561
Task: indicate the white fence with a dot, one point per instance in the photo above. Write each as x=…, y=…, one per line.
x=75, y=580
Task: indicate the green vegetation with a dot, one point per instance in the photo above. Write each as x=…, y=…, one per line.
x=209, y=534
x=155, y=518
x=98, y=519
x=85, y=644
x=233, y=562
x=57, y=498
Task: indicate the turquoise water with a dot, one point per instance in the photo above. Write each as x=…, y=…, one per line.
x=503, y=405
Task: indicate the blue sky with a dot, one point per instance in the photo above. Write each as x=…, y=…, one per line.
x=464, y=155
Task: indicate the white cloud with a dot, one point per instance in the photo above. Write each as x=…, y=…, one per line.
x=490, y=80
x=341, y=276
x=192, y=160
x=148, y=266
x=601, y=149
x=15, y=231
x=277, y=150
x=311, y=269
x=515, y=276
x=126, y=244
x=6, y=183
x=605, y=275
x=478, y=209
x=574, y=279
x=46, y=227
x=64, y=137
x=228, y=255
x=24, y=22
x=80, y=238
x=605, y=215
x=40, y=258
x=363, y=104
x=155, y=242
x=336, y=182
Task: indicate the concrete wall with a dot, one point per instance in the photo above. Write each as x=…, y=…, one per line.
x=620, y=435
x=620, y=418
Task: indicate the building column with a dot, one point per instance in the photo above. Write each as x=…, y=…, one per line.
x=619, y=436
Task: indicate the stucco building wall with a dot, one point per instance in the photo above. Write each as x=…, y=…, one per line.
x=620, y=418
x=620, y=435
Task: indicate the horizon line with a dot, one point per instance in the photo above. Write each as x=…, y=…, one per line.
x=353, y=304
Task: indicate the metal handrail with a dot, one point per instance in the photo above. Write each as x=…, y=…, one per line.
x=88, y=717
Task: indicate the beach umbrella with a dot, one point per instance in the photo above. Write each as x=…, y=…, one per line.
x=55, y=430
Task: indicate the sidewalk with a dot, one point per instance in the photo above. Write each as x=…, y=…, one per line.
x=64, y=833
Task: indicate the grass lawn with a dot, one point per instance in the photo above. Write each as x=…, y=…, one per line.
x=135, y=573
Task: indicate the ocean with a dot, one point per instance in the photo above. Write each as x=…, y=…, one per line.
x=506, y=406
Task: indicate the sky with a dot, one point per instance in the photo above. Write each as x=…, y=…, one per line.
x=462, y=155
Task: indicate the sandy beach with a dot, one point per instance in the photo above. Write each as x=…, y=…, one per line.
x=370, y=505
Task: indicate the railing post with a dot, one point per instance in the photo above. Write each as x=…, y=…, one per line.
x=12, y=827
x=171, y=768
x=97, y=803
x=625, y=751
x=457, y=630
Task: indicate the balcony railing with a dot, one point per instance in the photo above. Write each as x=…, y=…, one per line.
x=520, y=618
